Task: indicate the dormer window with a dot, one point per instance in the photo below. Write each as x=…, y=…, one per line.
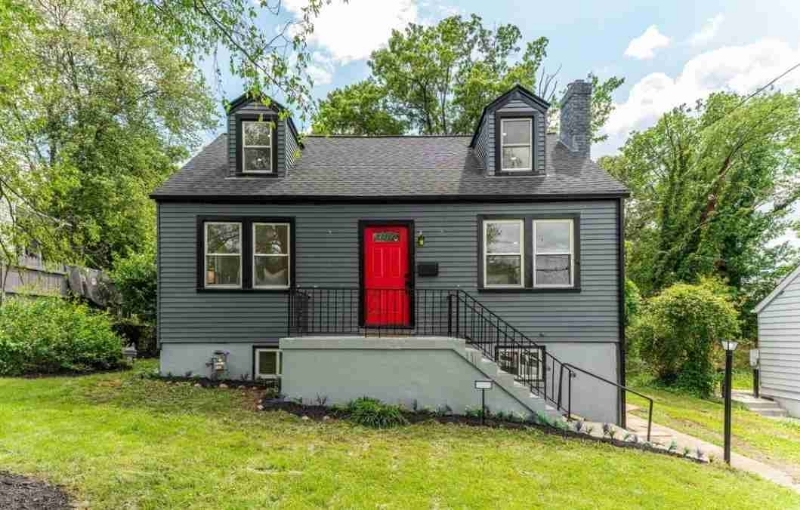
x=256, y=146
x=516, y=144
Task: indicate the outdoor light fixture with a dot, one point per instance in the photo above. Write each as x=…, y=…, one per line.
x=129, y=352
x=729, y=346
x=420, y=240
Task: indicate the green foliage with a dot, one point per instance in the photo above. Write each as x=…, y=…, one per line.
x=370, y=412
x=52, y=335
x=358, y=109
x=679, y=331
x=712, y=189
x=135, y=279
x=437, y=79
x=633, y=301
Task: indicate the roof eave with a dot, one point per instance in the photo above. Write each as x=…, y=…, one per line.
x=272, y=199
x=778, y=290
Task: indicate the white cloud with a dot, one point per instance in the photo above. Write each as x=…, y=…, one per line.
x=740, y=69
x=708, y=31
x=320, y=69
x=352, y=30
x=644, y=46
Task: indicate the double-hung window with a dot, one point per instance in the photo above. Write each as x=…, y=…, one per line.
x=256, y=147
x=223, y=254
x=516, y=144
x=271, y=268
x=503, y=253
x=553, y=253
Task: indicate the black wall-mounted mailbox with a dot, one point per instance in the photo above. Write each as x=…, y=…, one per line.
x=427, y=269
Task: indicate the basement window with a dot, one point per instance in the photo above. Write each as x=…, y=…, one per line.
x=267, y=363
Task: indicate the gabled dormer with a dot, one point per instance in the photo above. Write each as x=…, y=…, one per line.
x=260, y=142
x=510, y=136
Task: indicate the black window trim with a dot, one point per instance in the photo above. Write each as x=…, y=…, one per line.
x=247, y=253
x=528, y=255
x=265, y=117
x=498, y=142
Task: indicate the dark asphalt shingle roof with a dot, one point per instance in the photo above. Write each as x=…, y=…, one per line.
x=375, y=167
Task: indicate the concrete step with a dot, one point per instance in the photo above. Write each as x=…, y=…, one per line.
x=774, y=413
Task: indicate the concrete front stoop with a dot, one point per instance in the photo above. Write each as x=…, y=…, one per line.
x=762, y=406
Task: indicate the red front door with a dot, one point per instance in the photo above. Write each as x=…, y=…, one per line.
x=386, y=275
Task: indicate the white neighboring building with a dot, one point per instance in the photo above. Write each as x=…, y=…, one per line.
x=779, y=344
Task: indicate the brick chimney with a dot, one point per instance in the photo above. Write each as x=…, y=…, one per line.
x=576, y=109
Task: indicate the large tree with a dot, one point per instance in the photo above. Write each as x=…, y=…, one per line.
x=437, y=79
x=100, y=102
x=712, y=189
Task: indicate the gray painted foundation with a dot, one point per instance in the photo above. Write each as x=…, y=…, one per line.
x=428, y=370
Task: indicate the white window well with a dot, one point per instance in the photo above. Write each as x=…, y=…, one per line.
x=271, y=255
x=516, y=144
x=553, y=253
x=257, y=147
x=223, y=254
x=503, y=253
x=267, y=363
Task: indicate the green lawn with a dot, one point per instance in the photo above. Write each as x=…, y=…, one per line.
x=774, y=441
x=120, y=441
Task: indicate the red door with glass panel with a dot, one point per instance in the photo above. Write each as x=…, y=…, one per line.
x=386, y=275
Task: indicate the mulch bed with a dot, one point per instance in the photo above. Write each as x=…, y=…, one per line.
x=322, y=412
x=21, y=493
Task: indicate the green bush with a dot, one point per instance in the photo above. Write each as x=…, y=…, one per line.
x=678, y=334
x=373, y=413
x=53, y=335
x=135, y=280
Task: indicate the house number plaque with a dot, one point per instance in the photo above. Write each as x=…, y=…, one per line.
x=385, y=237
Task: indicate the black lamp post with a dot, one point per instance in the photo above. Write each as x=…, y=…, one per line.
x=729, y=346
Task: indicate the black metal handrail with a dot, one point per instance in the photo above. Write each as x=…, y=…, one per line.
x=572, y=369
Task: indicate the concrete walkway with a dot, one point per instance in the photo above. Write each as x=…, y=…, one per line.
x=665, y=435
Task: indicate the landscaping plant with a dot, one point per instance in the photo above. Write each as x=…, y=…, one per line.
x=373, y=413
x=54, y=335
x=679, y=330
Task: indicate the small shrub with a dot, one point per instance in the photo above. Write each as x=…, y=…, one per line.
x=686, y=451
x=699, y=452
x=473, y=412
x=54, y=335
x=578, y=426
x=370, y=412
x=679, y=330
x=590, y=429
x=673, y=445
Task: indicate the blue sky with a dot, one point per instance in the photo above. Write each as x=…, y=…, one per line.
x=668, y=52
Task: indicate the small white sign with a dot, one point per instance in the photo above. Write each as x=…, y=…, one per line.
x=754, y=358
x=483, y=385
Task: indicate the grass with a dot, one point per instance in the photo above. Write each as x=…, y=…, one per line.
x=774, y=441
x=121, y=441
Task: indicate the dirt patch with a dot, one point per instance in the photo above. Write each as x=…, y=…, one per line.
x=21, y=493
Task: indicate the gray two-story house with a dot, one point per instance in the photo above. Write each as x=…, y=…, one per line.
x=400, y=267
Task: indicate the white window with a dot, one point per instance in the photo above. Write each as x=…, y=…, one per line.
x=503, y=253
x=553, y=253
x=223, y=254
x=271, y=252
x=516, y=141
x=268, y=363
x=256, y=147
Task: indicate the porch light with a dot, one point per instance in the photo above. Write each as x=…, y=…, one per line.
x=420, y=240
x=729, y=345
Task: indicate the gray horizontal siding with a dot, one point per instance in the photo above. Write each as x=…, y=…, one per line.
x=779, y=343
x=327, y=255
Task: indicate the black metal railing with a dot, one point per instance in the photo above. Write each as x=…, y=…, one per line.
x=573, y=371
x=438, y=312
